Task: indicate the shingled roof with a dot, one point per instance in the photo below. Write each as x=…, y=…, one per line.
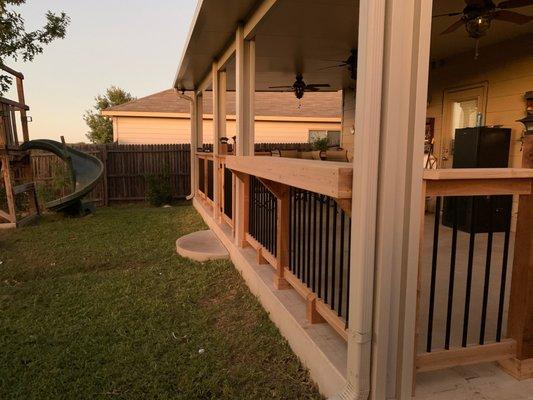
x=267, y=104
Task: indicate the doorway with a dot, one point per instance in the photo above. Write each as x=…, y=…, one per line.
x=462, y=108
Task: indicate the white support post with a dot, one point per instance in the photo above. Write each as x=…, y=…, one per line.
x=219, y=127
x=196, y=136
x=393, y=61
x=405, y=86
x=245, y=92
x=245, y=87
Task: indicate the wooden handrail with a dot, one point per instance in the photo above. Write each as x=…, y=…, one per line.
x=478, y=181
x=330, y=178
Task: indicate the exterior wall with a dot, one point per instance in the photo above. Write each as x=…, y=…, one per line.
x=507, y=69
x=149, y=130
x=348, y=121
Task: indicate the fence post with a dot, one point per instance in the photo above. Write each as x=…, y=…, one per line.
x=520, y=321
x=104, y=161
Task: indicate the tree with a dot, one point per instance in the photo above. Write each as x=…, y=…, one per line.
x=16, y=43
x=101, y=127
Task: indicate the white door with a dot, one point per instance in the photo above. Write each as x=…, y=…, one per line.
x=462, y=108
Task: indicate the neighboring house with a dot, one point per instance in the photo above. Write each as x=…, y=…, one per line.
x=164, y=117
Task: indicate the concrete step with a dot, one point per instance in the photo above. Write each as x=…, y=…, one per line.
x=201, y=246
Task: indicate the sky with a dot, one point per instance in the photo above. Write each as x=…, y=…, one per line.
x=133, y=44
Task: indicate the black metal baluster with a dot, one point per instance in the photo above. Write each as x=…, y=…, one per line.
x=487, y=272
x=326, y=251
x=334, y=255
x=304, y=238
x=251, y=207
x=451, y=282
x=309, y=228
x=300, y=230
x=469, y=272
x=433, y=274
x=341, y=269
x=314, y=265
x=503, y=279
x=291, y=228
x=320, y=237
x=348, y=273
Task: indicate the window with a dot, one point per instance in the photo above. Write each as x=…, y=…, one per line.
x=334, y=137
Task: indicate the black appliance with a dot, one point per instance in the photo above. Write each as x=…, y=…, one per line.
x=480, y=147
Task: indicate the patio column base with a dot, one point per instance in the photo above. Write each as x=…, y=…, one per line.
x=350, y=393
x=519, y=369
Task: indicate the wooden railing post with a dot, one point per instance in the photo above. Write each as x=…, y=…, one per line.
x=243, y=211
x=283, y=232
x=520, y=322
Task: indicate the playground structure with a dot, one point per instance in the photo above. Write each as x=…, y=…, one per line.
x=20, y=206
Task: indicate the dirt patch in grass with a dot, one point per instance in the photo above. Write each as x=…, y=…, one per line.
x=102, y=308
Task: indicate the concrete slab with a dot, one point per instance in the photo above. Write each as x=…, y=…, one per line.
x=201, y=246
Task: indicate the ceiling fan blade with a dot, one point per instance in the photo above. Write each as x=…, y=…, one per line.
x=318, y=85
x=311, y=89
x=332, y=66
x=511, y=16
x=448, y=15
x=281, y=87
x=478, y=3
x=515, y=3
x=453, y=27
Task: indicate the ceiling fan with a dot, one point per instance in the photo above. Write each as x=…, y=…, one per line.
x=299, y=87
x=478, y=15
x=350, y=63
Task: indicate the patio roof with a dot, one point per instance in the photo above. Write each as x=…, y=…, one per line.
x=288, y=43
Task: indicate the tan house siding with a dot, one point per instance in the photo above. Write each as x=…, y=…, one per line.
x=507, y=69
x=152, y=130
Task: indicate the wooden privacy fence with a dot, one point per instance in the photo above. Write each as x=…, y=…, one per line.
x=126, y=168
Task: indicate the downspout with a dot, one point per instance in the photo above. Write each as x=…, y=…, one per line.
x=183, y=96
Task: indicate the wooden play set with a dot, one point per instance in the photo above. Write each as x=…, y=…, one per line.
x=18, y=199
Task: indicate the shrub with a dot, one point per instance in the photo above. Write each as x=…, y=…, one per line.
x=60, y=184
x=320, y=144
x=159, y=189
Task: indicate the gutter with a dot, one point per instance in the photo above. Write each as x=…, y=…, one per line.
x=183, y=96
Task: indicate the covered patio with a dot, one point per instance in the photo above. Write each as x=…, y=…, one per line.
x=344, y=249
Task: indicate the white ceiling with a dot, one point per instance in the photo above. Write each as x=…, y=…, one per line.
x=305, y=36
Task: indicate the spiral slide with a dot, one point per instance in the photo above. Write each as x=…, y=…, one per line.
x=86, y=171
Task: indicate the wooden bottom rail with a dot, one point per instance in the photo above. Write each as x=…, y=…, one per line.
x=441, y=359
x=317, y=311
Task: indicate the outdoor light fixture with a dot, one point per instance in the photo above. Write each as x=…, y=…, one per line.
x=528, y=120
x=478, y=27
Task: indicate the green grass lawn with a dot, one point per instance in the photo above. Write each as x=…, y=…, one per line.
x=103, y=308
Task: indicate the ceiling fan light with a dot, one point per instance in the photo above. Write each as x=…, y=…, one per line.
x=478, y=27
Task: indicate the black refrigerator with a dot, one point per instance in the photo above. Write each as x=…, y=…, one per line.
x=480, y=147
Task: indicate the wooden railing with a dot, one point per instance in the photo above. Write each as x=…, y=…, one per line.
x=464, y=266
x=298, y=221
x=205, y=176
